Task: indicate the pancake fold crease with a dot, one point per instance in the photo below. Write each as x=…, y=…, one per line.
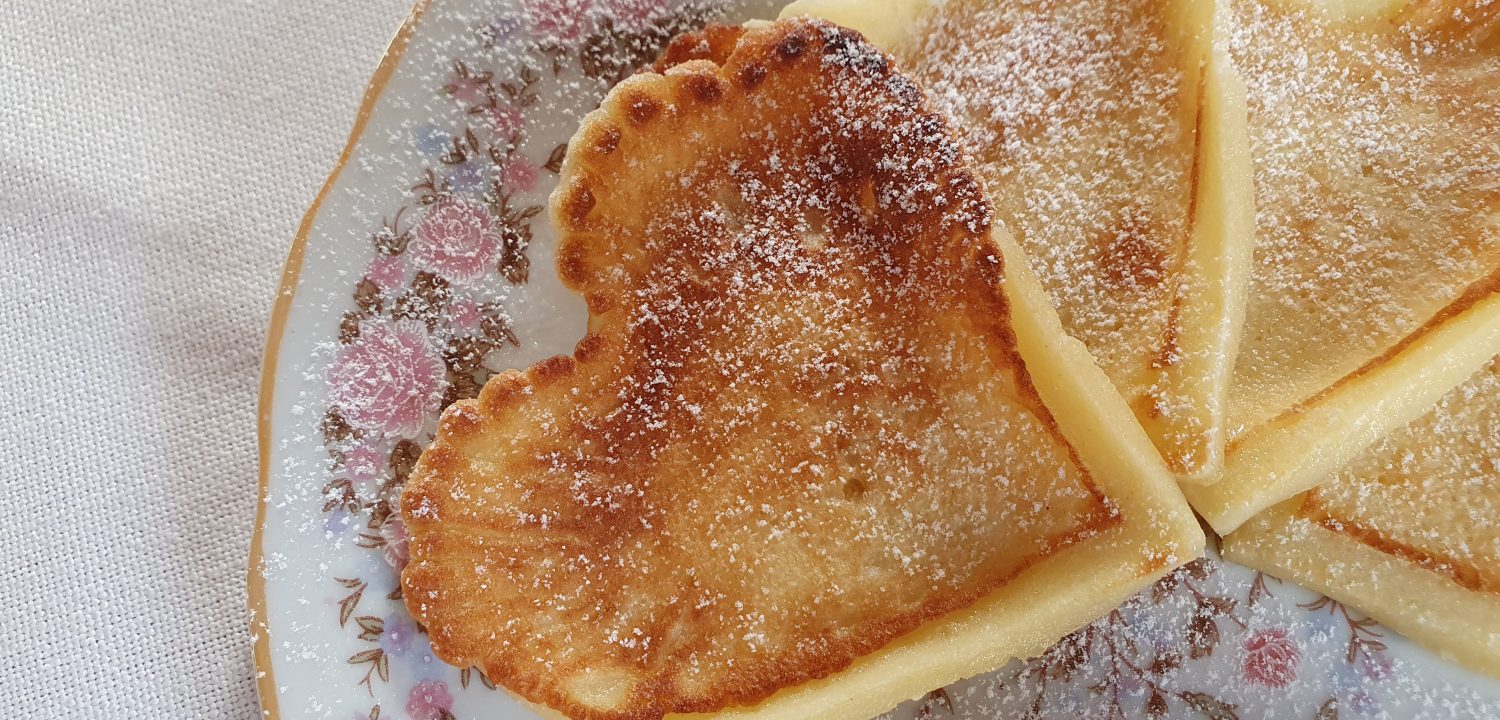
x=1375, y=137
x=1112, y=137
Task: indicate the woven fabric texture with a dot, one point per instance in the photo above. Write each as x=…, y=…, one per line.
x=155, y=159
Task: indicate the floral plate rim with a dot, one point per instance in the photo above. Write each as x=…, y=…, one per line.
x=390, y=59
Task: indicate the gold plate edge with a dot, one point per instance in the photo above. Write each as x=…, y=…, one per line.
x=265, y=682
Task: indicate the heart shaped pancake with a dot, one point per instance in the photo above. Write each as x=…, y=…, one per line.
x=800, y=426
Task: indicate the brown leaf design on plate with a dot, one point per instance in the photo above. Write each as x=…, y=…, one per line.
x=1209, y=706
x=339, y=492
x=555, y=158
x=369, y=541
x=431, y=189
x=425, y=301
x=1069, y=654
x=937, y=699
x=380, y=512
x=610, y=54
x=514, y=239
x=1156, y=705
x=1219, y=605
x=403, y=459
x=1258, y=589
x=335, y=429
x=1165, y=662
x=350, y=601
x=1202, y=636
x=370, y=627
x=389, y=240
x=349, y=326
x=466, y=354
x=432, y=288
x=1164, y=588
x=367, y=297
x=379, y=664
x=461, y=386
x=1034, y=711
x=1200, y=569
x=605, y=54
x=496, y=324
x=1329, y=710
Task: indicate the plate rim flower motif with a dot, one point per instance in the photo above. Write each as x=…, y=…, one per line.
x=265, y=680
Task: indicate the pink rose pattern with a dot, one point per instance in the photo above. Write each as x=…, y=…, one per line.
x=521, y=175
x=430, y=700
x=456, y=239
x=506, y=119
x=557, y=20
x=410, y=348
x=464, y=315
x=1270, y=658
x=389, y=380
x=387, y=272
x=363, y=464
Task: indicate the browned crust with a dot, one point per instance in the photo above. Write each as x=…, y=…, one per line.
x=1463, y=574
x=743, y=61
x=506, y=391
x=654, y=702
x=1477, y=292
x=831, y=656
x=716, y=43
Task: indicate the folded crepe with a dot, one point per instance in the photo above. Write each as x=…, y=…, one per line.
x=1111, y=140
x=825, y=446
x=1406, y=531
x=1375, y=136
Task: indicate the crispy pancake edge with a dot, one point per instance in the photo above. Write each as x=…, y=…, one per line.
x=1176, y=542
x=746, y=59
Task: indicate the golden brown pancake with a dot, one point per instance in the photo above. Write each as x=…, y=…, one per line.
x=823, y=448
x=1375, y=134
x=1408, y=530
x=1106, y=135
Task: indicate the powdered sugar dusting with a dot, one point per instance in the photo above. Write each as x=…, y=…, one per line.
x=808, y=432
x=1078, y=119
x=1377, y=176
x=336, y=631
x=1433, y=487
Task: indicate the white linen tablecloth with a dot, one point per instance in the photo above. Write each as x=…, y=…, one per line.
x=155, y=159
